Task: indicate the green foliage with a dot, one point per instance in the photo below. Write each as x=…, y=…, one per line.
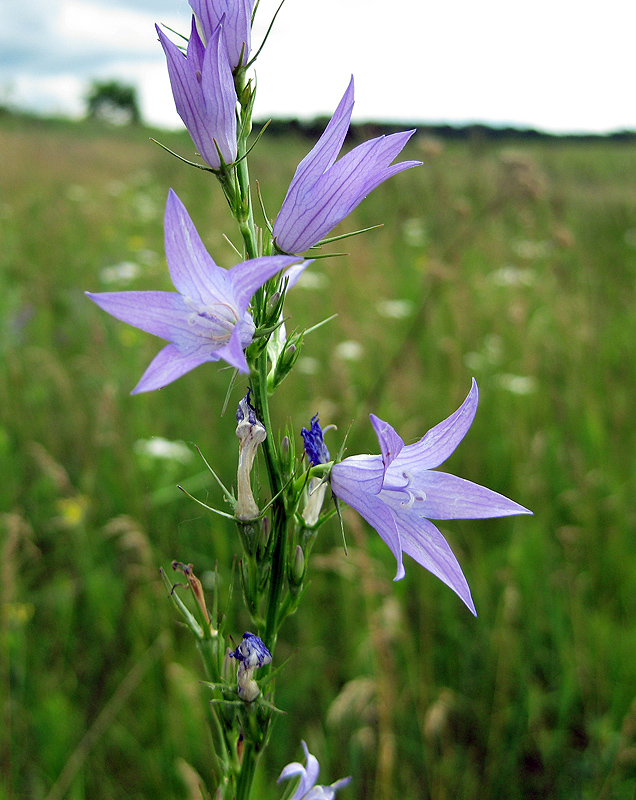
x=513, y=262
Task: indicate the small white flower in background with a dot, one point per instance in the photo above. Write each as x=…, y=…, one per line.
x=394, y=309
x=313, y=280
x=122, y=273
x=518, y=384
x=348, y=350
x=414, y=232
x=163, y=449
x=514, y=276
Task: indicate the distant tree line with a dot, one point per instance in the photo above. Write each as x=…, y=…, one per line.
x=360, y=131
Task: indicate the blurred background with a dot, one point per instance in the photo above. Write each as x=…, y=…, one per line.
x=509, y=256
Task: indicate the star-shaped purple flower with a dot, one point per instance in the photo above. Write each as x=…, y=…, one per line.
x=206, y=319
x=307, y=789
x=322, y=192
x=204, y=93
x=237, y=27
x=398, y=493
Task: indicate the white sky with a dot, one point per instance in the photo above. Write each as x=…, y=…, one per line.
x=556, y=65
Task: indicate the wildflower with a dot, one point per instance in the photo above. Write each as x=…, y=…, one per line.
x=204, y=93
x=398, y=493
x=206, y=319
x=307, y=789
x=251, y=433
x=322, y=192
x=237, y=25
x=250, y=654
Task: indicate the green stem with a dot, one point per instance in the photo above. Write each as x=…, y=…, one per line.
x=248, y=769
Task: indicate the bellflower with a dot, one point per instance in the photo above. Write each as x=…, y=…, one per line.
x=206, y=319
x=322, y=192
x=398, y=493
x=204, y=93
x=307, y=789
x=237, y=27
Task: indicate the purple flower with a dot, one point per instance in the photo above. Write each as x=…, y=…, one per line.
x=307, y=789
x=398, y=493
x=206, y=319
x=237, y=27
x=204, y=93
x=322, y=192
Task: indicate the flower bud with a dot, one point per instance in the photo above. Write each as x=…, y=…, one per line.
x=298, y=567
x=251, y=433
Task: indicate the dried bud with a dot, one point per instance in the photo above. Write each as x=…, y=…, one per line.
x=250, y=654
x=251, y=433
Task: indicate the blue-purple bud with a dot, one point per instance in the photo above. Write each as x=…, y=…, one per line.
x=315, y=447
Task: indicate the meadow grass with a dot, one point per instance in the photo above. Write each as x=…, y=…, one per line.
x=511, y=261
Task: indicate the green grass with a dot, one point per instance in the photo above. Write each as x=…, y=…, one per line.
x=515, y=262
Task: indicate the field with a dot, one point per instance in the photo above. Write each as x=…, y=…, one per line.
x=510, y=261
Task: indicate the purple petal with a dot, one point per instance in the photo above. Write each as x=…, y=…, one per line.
x=205, y=99
x=248, y=276
x=390, y=443
x=233, y=353
x=196, y=48
x=313, y=768
x=354, y=481
x=219, y=96
x=188, y=98
x=163, y=314
x=293, y=273
x=438, y=444
x=423, y=542
x=319, y=203
x=450, y=497
x=168, y=365
x=237, y=24
x=192, y=269
x=319, y=159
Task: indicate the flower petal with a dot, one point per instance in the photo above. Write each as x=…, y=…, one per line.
x=192, y=269
x=237, y=25
x=219, y=98
x=390, y=443
x=163, y=314
x=168, y=365
x=233, y=353
x=248, y=276
x=289, y=223
x=423, y=542
x=450, y=497
x=438, y=444
x=355, y=481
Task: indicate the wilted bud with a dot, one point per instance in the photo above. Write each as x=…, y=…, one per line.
x=250, y=654
x=197, y=590
x=317, y=490
x=251, y=433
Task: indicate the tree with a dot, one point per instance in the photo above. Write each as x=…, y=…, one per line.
x=114, y=102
